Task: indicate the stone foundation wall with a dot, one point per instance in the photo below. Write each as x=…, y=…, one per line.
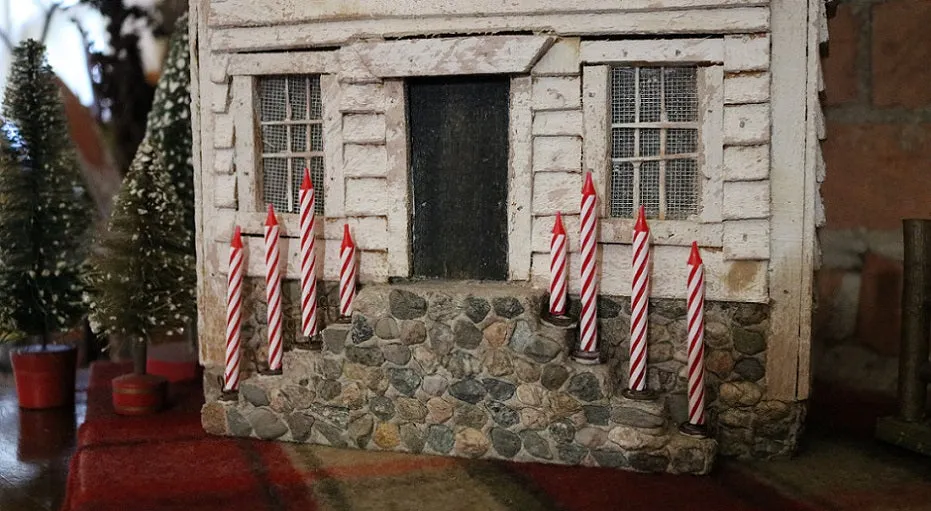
x=444, y=371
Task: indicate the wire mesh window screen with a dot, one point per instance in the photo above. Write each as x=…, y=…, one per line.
x=291, y=121
x=654, y=142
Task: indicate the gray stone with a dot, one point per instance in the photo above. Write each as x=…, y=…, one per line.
x=426, y=358
x=435, y=385
x=295, y=397
x=441, y=339
x=634, y=439
x=608, y=308
x=405, y=380
x=365, y=356
x=387, y=328
x=440, y=438
x=462, y=364
x=413, y=332
x=466, y=335
x=644, y=462
x=397, y=354
x=608, y=458
x=748, y=342
x=560, y=405
x=506, y=443
x=530, y=394
x=687, y=460
x=440, y=410
x=337, y=415
x=678, y=406
x=254, y=394
x=597, y=415
x=382, y=407
x=554, y=376
x=542, y=349
x=570, y=453
x=411, y=409
x=527, y=372
x=266, y=424
x=361, y=330
x=499, y=389
x=300, y=424
x=471, y=416
x=261, y=312
x=467, y=390
x=332, y=368
x=502, y=413
x=412, y=438
x=361, y=429
x=332, y=435
x=329, y=389
x=334, y=339
x=740, y=393
x=507, y=307
x=498, y=362
x=406, y=305
x=535, y=445
x=475, y=308
x=660, y=352
x=636, y=418
x=591, y=437
x=749, y=369
x=441, y=307
x=521, y=336
x=751, y=314
x=585, y=386
x=238, y=424
x=562, y=431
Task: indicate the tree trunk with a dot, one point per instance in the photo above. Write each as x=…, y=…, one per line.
x=140, y=355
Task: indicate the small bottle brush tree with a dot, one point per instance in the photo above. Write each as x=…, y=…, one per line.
x=141, y=277
x=44, y=212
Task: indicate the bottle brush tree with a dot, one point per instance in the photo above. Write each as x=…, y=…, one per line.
x=44, y=211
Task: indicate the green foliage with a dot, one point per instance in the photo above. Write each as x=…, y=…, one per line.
x=142, y=278
x=44, y=211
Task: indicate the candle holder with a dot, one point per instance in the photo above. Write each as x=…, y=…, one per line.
x=559, y=321
x=693, y=430
x=639, y=395
x=310, y=343
x=229, y=396
x=587, y=357
x=271, y=372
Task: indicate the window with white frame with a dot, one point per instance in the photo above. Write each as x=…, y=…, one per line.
x=655, y=147
x=291, y=122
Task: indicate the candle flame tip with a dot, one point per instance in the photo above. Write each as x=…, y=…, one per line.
x=237, y=238
x=271, y=220
x=694, y=255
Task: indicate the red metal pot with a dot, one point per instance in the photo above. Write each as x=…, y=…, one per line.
x=139, y=394
x=44, y=376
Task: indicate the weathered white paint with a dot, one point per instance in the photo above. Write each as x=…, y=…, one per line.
x=711, y=98
x=217, y=65
x=663, y=232
x=219, y=97
x=746, y=200
x=557, y=154
x=223, y=162
x=368, y=232
x=296, y=62
x=223, y=131
x=746, y=53
x=224, y=192
x=366, y=196
x=596, y=120
x=746, y=239
x=452, y=56
x=746, y=163
x=362, y=98
x=398, y=163
x=352, y=69
x=562, y=59
x=247, y=171
x=558, y=122
x=556, y=191
x=365, y=160
x=364, y=128
x=520, y=178
x=751, y=87
x=557, y=93
x=746, y=124
x=334, y=183
x=543, y=228
x=199, y=153
x=692, y=51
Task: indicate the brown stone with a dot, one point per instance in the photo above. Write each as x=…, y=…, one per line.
x=498, y=363
x=387, y=436
x=496, y=334
x=532, y=418
x=411, y=409
x=741, y=393
x=471, y=442
x=352, y=396
x=560, y=405
x=530, y=394
x=439, y=410
x=633, y=439
x=591, y=437
x=900, y=53
x=879, y=318
x=840, y=66
x=719, y=362
x=526, y=371
x=213, y=418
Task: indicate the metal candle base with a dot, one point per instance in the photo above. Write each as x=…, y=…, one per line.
x=229, y=396
x=271, y=372
x=559, y=321
x=693, y=430
x=586, y=357
x=312, y=343
x=344, y=320
x=639, y=395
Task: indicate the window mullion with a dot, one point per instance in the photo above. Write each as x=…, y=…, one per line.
x=662, y=144
x=635, y=196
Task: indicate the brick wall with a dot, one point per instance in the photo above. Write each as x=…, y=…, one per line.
x=878, y=152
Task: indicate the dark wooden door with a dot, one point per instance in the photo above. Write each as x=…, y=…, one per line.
x=459, y=177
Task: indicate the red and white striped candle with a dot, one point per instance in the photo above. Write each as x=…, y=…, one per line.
x=558, y=284
x=233, y=314
x=347, y=274
x=273, y=289
x=696, y=337
x=308, y=259
x=588, y=322
x=639, y=303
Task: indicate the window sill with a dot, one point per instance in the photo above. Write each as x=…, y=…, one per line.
x=663, y=232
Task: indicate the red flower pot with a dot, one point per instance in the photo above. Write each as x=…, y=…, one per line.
x=139, y=394
x=44, y=376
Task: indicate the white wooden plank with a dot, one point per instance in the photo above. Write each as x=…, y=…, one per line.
x=557, y=93
x=219, y=97
x=746, y=124
x=711, y=94
x=556, y=192
x=557, y=154
x=368, y=232
x=295, y=62
x=663, y=232
x=692, y=51
x=364, y=128
x=743, y=88
x=247, y=171
x=362, y=98
x=301, y=35
x=520, y=179
x=558, y=122
x=542, y=230
x=365, y=160
x=596, y=120
x=223, y=162
x=200, y=157
x=367, y=196
x=452, y=56
x=746, y=53
x=746, y=200
x=562, y=59
x=398, y=159
x=746, y=239
x=224, y=192
x=334, y=183
x=373, y=267
x=746, y=163
x=218, y=66
x=223, y=129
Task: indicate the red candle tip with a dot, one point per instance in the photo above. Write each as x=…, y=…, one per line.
x=558, y=227
x=307, y=183
x=694, y=256
x=237, y=238
x=347, y=238
x=589, y=187
x=641, y=225
x=270, y=220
